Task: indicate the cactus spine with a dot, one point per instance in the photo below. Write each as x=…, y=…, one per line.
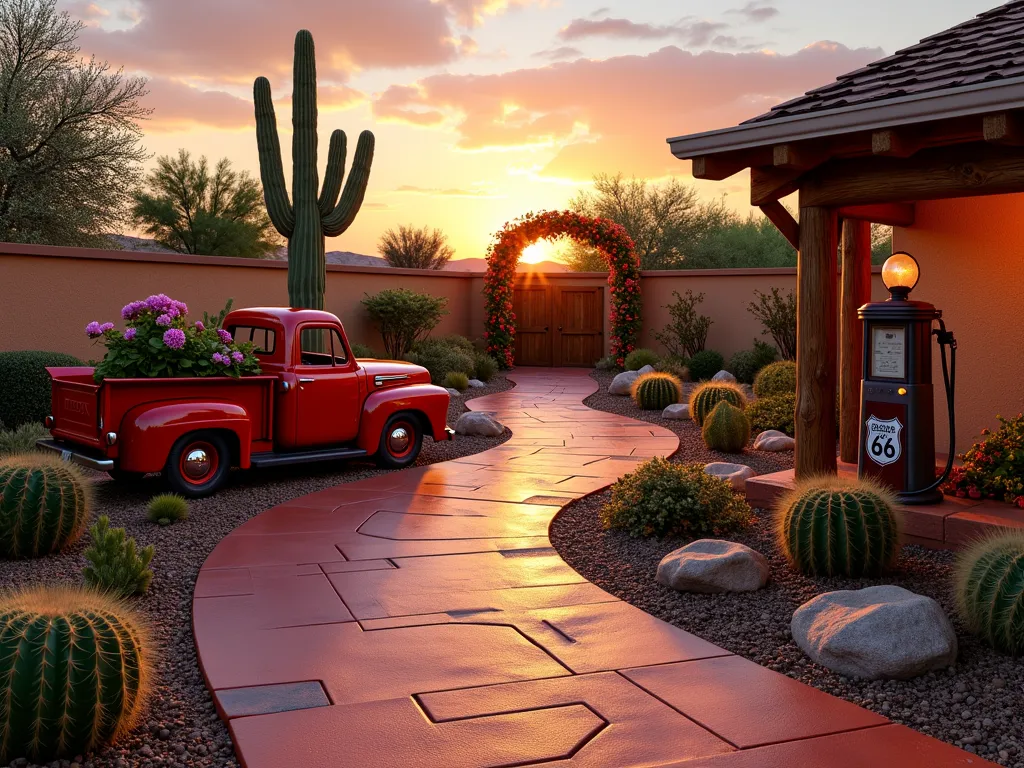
x=705, y=397
x=657, y=391
x=75, y=670
x=829, y=526
x=989, y=587
x=44, y=506
x=307, y=219
x=726, y=429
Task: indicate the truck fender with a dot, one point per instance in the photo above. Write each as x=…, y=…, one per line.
x=426, y=399
x=148, y=432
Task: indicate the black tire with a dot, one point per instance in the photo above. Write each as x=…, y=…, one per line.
x=124, y=477
x=198, y=480
x=394, y=453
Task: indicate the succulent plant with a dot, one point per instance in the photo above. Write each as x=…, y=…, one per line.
x=306, y=219
x=706, y=396
x=115, y=564
x=75, y=667
x=773, y=412
x=656, y=391
x=726, y=428
x=831, y=526
x=456, y=380
x=776, y=379
x=989, y=588
x=639, y=358
x=167, y=508
x=44, y=505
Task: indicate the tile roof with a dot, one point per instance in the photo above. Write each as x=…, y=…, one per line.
x=987, y=48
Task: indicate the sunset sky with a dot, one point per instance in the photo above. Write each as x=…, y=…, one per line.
x=486, y=109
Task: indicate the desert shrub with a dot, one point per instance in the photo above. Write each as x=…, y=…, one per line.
x=404, y=317
x=687, y=330
x=456, y=380
x=25, y=385
x=664, y=499
x=775, y=412
x=456, y=341
x=989, y=590
x=76, y=667
x=44, y=505
x=746, y=363
x=674, y=367
x=993, y=468
x=638, y=358
x=167, y=508
x=706, y=396
x=440, y=357
x=116, y=566
x=362, y=351
x=831, y=526
x=776, y=379
x=778, y=316
x=21, y=440
x=606, y=364
x=656, y=391
x=485, y=366
x=705, y=364
x=726, y=429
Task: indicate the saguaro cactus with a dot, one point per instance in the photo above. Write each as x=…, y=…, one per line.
x=307, y=219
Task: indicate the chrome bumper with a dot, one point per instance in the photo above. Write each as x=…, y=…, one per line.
x=83, y=459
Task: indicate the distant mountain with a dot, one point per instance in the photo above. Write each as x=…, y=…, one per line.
x=129, y=243
x=480, y=265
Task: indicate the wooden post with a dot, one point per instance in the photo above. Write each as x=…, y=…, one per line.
x=856, y=292
x=816, y=342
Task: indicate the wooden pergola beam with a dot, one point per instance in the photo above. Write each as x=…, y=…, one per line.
x=1003, y=128
x=783, y=220
x=856, y=292
x=717, y=168
x=892, y=143
x=768, y=184
x=891, y=214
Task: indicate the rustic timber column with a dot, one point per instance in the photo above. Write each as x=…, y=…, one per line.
x=856, y=292
x=816, y=342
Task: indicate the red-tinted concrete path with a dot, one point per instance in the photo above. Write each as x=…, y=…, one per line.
x=421, y=619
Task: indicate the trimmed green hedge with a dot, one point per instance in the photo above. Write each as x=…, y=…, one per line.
x=25, y=385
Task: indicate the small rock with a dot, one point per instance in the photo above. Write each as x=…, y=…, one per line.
x=875, y=633
x=646, y=369
x=454, y=392
x=622, y=383
x=476, y=384
x=724, y=376
x=676, y=412
x=775, y=442
x=734, y=474
x=478, y=424
x=711, y=566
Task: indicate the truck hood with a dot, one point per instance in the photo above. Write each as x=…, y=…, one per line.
x=413, y=374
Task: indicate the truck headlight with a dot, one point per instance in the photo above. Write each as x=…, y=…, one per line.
x=111, y=438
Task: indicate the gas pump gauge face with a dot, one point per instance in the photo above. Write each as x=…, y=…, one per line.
x=888, y=352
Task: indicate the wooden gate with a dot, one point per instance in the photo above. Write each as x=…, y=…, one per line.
x=559, y=326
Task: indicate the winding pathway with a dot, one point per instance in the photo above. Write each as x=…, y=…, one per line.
x=422, y=619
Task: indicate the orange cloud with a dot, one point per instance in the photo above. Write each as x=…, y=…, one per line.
x=176, y=105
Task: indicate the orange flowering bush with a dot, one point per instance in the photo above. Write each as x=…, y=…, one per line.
x=607, y=236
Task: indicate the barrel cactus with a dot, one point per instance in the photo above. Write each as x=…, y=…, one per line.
x=306, y=219
x=832, y=526
x=706, y=396
x=726, y=429
x=989, y=587
x=776, y=379
x=44, y=505
x=75, y=667
x=657, y=391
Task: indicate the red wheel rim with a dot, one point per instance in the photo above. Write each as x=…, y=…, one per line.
x=400, y=439
x=198, y=462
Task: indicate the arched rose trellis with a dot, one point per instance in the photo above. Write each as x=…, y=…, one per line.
x=608, y=237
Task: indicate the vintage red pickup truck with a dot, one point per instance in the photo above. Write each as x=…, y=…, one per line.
x=314, y=402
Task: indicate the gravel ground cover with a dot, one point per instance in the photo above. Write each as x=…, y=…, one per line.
x=181, y=728
x=976, y=705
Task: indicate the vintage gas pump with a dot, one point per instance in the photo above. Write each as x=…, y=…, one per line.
x=897, y=438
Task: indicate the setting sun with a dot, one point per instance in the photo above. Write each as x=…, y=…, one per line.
x=540, y=251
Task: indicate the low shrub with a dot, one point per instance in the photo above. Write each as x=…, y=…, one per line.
x=988, y=590
x=656, y=391
x=993, y=468
x=25, y=385
x=638, y=358
x=746, y=363
x=454, y=340
x=706, y=396
x=116, y=566
x=21, y=440
x=665, y=499
x=456, y=380
x=486, y=367
x=44, y=505
x=778, y=316
x=776, y=379
x=361, y=351
x=705, y=364
x=404, y=317
x=606, y=364
x=673, y=367
x=775, y=412
x=687, y=330
x=167, y=508
x=440, y=357
x=726, y=429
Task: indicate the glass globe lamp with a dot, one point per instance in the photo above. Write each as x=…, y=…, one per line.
x=900, y=274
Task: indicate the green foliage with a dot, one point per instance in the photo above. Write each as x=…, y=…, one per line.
x=607, y=364
x=115, y=565
x=21, y=440
x=657, y=391
x=413, y=248
x=486, y=367
x=746, y=363
x=312, y=214
x=705, y=364
x=638, y=358
x=441, y=356
x=167, y=508
x=778, y=316
x=989, y=590
x=456, y=380
x=776, y=379
x=687, y=331
x=44, y=505
x=664, y=499
x=833, y=526
x=881, y=243
x=993, y=468
x=726, y=429
x=734, y=242
x=75, y=668
x=674, y=367
x=705, y=397
x=773, y=412
x=363, y=351
x=404, y=317
x=25, y=385
x=217, y=321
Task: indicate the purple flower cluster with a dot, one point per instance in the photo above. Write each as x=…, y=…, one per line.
x=129, y=334
x=174, y=338
x=224, y=336
x=158, y=303
x=237, y=356
x=199, y=326
x=222, y=359
x=164, y=320
x=94, y=330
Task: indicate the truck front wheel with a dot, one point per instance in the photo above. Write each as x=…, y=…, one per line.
x=198, y=464
x=400, y=442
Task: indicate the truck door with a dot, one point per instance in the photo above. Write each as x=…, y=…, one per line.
x=328, y=389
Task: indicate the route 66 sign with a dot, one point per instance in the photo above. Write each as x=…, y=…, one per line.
x=883, y=440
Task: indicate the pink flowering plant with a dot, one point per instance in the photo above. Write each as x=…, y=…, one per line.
x=993, y=468
x=159, y=341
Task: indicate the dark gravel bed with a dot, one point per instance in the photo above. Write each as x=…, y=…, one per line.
x=182, y=728
x=976, y=705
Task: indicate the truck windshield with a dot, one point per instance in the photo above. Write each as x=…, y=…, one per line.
x=264, y=339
